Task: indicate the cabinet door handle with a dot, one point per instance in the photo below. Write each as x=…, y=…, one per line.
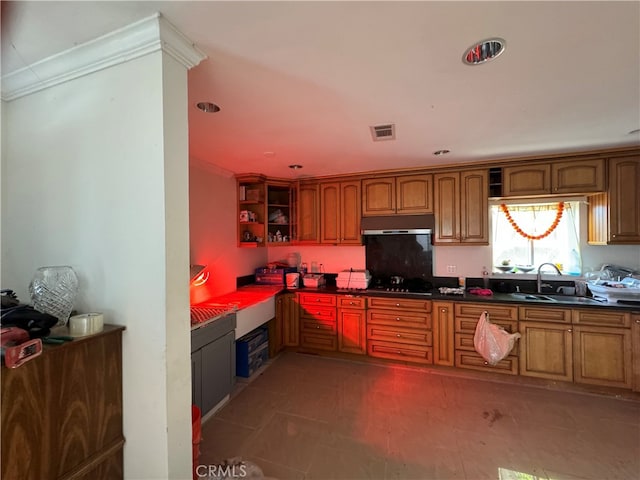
x=443, y=310
x=569, y=330
x=398, y=319
x=398, y=335
x=317, y=326
x=397, y=304
x=638, y=321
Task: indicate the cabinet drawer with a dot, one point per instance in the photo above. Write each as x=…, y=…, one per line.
x=496, y=312
x=545, y=314
x=464, y=341
x=400, y=335
x=602, y=318
x=400, y=303
x=401, y=319
x=316, y=299
x=474, y=361
x=317, y=312
x=468, y=325
x=318, y=325
x=318, y=341
x=399, y=351
x=347, y=301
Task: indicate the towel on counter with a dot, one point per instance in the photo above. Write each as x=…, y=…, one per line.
x=481, y=291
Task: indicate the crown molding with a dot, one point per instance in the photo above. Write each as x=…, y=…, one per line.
x=143, y=37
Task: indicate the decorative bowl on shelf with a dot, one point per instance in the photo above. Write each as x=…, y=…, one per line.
x=525, y=268
x=504, y=268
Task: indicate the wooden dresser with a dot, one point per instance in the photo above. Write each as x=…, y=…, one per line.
x=62, y=411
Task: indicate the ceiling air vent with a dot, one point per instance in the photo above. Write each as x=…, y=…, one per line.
x=383, y=132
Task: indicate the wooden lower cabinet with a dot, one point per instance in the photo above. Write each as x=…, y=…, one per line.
x=352, y=325
x=443, y=337
x=466, y=316
x=546, y=350
x=62, y=411
x=287, y=321
x=595, y=346
x=602, y=356
x=474, y=361
x=318, y=321
x=635, y=352
x=400, y=329
x=591, y=346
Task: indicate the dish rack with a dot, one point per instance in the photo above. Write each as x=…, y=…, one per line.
x=616, y=292
x=353, y=279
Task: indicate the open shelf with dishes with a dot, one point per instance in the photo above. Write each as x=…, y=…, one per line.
x=279, y=215
x=266, y=215
x=251, y=210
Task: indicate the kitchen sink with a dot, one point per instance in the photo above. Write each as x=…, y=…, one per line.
x=538, y=297
x=533, y=296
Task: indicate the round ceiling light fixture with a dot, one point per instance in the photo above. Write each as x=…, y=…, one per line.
x=208, y=107
x=444, y=151
x=484, y=51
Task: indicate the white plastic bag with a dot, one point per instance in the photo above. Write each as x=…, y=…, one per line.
x=492, y=341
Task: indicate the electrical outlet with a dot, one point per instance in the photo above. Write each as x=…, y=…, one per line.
x=451, y=269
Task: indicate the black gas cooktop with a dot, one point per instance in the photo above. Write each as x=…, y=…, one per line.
x=398, y=285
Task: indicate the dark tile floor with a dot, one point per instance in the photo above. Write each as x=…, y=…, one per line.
x=309, y=417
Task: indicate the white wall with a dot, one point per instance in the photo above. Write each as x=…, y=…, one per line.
x=213, y=231
x=89, y=180
x=178, y=325
x=333, y=258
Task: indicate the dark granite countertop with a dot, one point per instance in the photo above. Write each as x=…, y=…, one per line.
x=543, y=299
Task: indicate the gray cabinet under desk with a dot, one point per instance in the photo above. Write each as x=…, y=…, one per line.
x=213, y=362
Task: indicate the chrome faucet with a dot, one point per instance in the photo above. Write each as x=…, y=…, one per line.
x=539, y=276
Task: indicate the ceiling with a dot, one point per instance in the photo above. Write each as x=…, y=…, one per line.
x=302, y=82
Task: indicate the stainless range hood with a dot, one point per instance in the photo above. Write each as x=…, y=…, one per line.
x=397, y=225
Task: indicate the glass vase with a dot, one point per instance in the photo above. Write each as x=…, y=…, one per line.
x=53, y=290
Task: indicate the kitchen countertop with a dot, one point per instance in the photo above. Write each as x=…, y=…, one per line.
x=253, y=294
x=223, y=305
x=518, y=298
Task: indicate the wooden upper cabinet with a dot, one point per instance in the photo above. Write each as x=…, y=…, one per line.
x=578, y=176
x=350, y=213
x=379, y=196
x=526, y=180
x=330, y=213
x=624, y=200
x=446, y=200
x=414, y=194
x=584, y=176
x=614, y=216
x=474, y=207
x=308, y=213
x=461, y=207
x=404, y=195
x=340, y=212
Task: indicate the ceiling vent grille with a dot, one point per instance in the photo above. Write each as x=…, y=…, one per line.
x=383, y=132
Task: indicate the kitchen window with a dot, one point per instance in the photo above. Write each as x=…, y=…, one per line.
x=527, y=234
